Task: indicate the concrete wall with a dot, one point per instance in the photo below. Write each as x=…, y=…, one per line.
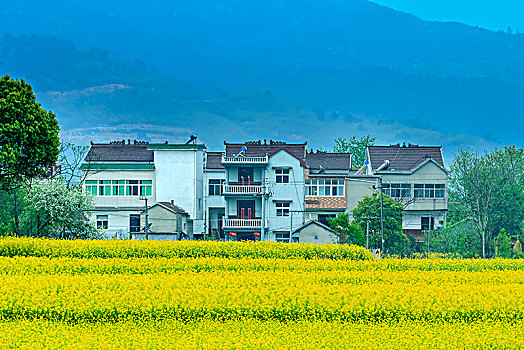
x=427, y=174
x=165, y=221
x=118, y=222
x=357, y=189
x=294, y=191
x=316, y=234
x=179, y=177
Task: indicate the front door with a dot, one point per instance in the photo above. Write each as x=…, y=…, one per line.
x=245, y=175
x=246, y=209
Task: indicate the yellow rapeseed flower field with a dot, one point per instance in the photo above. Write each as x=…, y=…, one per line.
x=131, y=294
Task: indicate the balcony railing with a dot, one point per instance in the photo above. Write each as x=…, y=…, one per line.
x=242, y=223
x=242, y=189
x=244, y=160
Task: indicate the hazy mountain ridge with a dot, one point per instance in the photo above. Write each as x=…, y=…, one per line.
x=310, y=71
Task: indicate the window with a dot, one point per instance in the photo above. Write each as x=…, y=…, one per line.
x=134, y=222
x=323, y=218
x=102, y=222
x=440, y=191
x=132, y=188
x=145, y=187
x=215, y=187
x=118, y=187
x=397, y=190
x=282, y=237
x=425, y=223
x=283, y=208
x=430, y=191
x=325, y=188
x=104, y=187
x=282, y=176
x=91, y=188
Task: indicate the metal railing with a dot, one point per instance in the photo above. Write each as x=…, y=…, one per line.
x=242, y=223
x=242, y=159
x=242, y=189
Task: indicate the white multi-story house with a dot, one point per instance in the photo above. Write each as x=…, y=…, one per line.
x=120, y=175
x=415, y=176
x=263, y=190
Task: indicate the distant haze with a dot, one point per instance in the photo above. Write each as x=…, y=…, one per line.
x=491, y=14
x=288, y=70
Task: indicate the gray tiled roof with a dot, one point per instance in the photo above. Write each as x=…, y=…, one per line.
x=214, y=160
x=404, y=158
x=173, y=208
x=120, y=153
x=328, y=161
x=261, y=148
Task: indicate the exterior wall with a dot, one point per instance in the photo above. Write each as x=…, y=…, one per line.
x=213, y=205
x=118, y=222
x=165, y=221
x=101, y=202
x=358, y=189
x=233, y=175
x=156, y=237
x=316, y=234
x=118, y=208
x=293, y=191
x=427, y=174
x=179, y=177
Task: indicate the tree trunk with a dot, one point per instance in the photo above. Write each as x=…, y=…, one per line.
x=483, y=244
x=15, y=213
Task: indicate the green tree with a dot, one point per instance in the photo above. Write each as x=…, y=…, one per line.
x=503, y=245
x=357, y=148
x=29, y=142
x=350, y=233
x=53, y=210
x=395, y=240
x=488, y=191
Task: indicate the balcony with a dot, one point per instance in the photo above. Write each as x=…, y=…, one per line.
x=242, y=160
x=242, y=224
x=242, y=190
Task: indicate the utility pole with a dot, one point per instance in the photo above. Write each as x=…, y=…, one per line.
x=367, y=234
x=368, y=219
x=430, y=227
x=381, y=213
x=146, y=229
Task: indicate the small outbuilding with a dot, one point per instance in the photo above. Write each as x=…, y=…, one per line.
x=167, y=221
x=314, y=231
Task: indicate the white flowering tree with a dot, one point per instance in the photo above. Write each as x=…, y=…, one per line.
x=53, y=210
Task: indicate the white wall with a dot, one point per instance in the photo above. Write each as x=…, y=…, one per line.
x=294, y=191
x=179, y=177
x=118, y=222
x=316, y=234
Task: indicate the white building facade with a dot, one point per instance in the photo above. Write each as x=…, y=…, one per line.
x=121, y=175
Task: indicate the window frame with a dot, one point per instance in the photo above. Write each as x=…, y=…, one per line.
x=325, y=188
x=282, y=175
x=102, y=222
x=282, y=236
x=283, y=208
x=134, y=228
x=217, y=183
